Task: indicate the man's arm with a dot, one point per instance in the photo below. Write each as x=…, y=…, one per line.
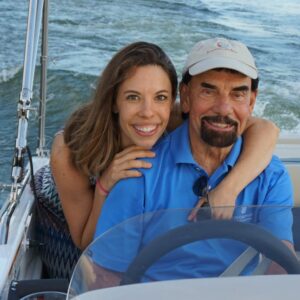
x=277, y=202
x=274, y=268
x=276, y=212
x=104, y=278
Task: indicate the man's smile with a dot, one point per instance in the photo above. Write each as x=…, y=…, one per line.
x=219, y=123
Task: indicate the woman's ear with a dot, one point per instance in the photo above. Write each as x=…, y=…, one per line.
x=184, y=98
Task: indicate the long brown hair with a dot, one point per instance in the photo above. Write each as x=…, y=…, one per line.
x=92, y=132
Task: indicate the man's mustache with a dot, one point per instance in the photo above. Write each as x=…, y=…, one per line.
x=220, y=119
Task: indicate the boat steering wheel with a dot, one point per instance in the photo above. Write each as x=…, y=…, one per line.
x=253, y=235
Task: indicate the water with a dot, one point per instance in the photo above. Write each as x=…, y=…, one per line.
x=83, y=35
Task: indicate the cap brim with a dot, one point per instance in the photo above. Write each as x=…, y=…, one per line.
x=222, y=62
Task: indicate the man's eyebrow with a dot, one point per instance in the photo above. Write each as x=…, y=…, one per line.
x=208, y=85
x=241, y=88
x=236, y=89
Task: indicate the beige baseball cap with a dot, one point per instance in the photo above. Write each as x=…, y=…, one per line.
x=220, y=53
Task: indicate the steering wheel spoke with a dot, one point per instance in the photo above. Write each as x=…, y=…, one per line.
x=240, y=263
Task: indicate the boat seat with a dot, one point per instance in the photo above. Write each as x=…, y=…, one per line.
x=288, y=150
x=294, y=171
x=296, y=226
x=25, y=288
x=58, y=252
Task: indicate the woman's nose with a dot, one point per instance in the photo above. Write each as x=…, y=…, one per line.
x=147, y=108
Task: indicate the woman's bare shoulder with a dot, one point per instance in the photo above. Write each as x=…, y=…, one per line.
x=62, y=165
x=60, y=152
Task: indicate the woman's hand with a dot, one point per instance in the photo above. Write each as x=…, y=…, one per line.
x=123, y=165
x=221, y=204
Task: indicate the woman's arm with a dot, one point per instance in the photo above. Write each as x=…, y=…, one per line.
x=260, y=138
x=73, y=187
x=122, y=166
x=80, y=202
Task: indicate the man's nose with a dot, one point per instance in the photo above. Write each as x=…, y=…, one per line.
x=223, y=105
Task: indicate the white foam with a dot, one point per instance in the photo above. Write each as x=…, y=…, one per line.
x=7, y=74
x=268, y=7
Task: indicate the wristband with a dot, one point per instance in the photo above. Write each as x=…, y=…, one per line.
x=101, y=188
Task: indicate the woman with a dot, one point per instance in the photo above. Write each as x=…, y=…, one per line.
x=105, y=140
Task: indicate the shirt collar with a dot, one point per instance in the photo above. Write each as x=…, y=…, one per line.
x=234, y=153
x=180, y=145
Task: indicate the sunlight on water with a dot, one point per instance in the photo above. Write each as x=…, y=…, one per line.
x=83, y=35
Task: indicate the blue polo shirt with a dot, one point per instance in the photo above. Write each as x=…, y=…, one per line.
x=169, y=185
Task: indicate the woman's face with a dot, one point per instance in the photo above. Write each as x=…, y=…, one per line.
x=144, y=103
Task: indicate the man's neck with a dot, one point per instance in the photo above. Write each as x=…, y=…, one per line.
x=209, y=157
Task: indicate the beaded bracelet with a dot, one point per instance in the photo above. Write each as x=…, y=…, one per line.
x=101, y=188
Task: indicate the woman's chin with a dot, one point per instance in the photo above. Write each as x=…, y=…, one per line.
x=146, y=144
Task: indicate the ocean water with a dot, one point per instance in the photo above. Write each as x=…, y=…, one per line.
x=84, y=34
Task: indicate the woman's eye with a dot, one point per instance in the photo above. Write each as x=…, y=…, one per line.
x=132, y=97
x=161, y=97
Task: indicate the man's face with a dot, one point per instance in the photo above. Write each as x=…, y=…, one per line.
x=219, y=104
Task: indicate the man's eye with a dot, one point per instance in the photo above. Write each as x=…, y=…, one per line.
x=207, y=92
x=239, y=95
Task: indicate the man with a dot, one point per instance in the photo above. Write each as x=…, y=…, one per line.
x=217, y=93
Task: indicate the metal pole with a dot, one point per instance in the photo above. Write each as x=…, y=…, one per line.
x=26, y=93
x=43, y=88
x=32, y=38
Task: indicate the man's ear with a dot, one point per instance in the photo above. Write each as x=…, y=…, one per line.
x=253, y=99
x=184, y=98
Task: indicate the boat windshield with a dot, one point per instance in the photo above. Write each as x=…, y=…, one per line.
x=166, y=245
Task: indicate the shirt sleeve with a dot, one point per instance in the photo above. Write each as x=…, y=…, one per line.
x=276, y=213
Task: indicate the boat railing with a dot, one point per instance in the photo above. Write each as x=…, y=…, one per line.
x=37, y=19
